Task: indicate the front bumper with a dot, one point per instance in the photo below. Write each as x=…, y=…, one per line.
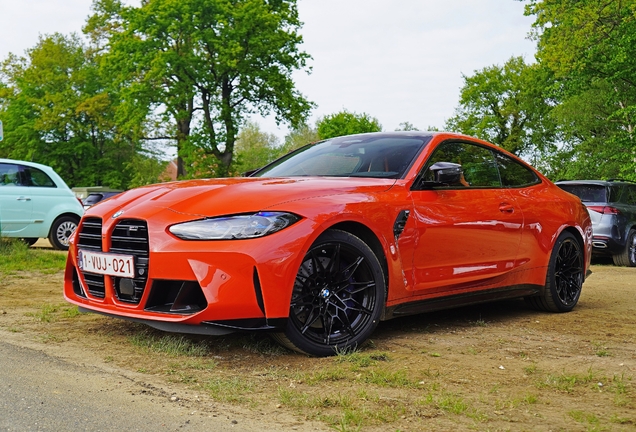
x=220, y=286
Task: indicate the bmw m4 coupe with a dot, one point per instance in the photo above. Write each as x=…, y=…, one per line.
x=324, y=243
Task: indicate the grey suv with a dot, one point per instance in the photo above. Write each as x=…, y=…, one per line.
x=612, y=208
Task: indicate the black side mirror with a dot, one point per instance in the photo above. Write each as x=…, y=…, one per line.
x=442, y=174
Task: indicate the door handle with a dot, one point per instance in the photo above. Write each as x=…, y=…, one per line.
x=23, y=198
x=506, y=208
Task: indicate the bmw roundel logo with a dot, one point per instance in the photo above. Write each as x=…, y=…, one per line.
x=119, y=213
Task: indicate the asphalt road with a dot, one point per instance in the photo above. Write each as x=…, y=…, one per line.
x=43, y=393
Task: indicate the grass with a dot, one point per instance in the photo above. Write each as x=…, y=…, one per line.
x=17, y=256
x=54, y=312
x=415, y=387
x=172, y=345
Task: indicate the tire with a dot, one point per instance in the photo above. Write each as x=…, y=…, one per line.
x=337, y=299
x=61, y=231
x=29, y=241
x=627, y=258
x=565, y=277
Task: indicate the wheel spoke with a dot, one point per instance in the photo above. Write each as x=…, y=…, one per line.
x=334, y=296
x=568, y=273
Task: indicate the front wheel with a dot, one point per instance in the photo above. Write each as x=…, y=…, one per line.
x=338, y=296
x=61, y=230
x=627, y=258
x=565, y=277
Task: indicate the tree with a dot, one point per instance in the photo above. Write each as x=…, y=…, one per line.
x=508, y=106
x=205, y=65
x=590, y=46
x=255, y=148
x=346, y=123
x=299, y=137
x=406, y=126
x=57, y=111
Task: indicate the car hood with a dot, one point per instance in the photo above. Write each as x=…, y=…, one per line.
x=213, y=197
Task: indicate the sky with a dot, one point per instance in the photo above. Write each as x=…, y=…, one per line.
x=398, y=61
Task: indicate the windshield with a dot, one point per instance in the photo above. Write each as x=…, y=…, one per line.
x=350, y=156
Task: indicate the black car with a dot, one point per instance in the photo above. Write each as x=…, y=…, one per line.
x=612, y=208
x=95, y=197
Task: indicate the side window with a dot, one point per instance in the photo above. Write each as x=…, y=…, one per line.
x=631, y=200
x=35, y=177
x=9, y=175
x=618, y=193
x=514, y=174
x=478, y=165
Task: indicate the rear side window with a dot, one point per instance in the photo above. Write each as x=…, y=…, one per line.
x=35, y=177
x=514, y=174
x=587, y=193
x=627, y=194
x=632, y=195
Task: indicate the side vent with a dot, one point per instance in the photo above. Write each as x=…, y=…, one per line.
x=400, y=223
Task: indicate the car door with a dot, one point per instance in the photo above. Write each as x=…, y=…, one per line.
x=44, y=195
x=469, y=228
x=15, y=204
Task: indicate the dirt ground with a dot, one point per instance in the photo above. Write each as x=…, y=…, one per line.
x=498, y=366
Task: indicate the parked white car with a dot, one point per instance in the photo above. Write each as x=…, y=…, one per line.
x=36, y=203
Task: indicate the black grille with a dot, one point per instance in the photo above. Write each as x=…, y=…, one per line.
x=130, y=237
x=90, y=238
x=90, y=235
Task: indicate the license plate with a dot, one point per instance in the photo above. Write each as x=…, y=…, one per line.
x=107, y=264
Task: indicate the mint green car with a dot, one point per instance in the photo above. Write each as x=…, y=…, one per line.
x=36, y=203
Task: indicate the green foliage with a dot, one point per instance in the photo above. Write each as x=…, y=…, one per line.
x=255, y=148
x=17, y=256
x=204, y=65
x=506, y=105
x=406, y=126
x=58, y=110
x=590, y=47
x=145, y=170
x=346, y=123
x=298, y=137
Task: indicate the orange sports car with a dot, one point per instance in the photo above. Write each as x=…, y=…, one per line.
x=324, y=243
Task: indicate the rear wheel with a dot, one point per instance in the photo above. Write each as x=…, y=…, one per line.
x=627, y=258
x=61, y=230
x=337, y=298
x=564, y=280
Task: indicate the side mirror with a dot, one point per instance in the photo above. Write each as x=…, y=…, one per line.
x=442, y=174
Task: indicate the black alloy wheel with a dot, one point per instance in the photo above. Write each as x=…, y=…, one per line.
x=338, y=296
x=565, y=277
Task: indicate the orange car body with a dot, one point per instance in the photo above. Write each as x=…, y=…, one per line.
x=458, y=246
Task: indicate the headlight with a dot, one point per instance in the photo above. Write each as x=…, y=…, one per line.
x=234, y=227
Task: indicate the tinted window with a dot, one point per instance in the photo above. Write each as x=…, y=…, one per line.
x=478, y=164
x=9, y=175
x=514, y=174
x=587, y=192
x=627, y=194
x=631, y=195
x=36, y=177
x=383, y=157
